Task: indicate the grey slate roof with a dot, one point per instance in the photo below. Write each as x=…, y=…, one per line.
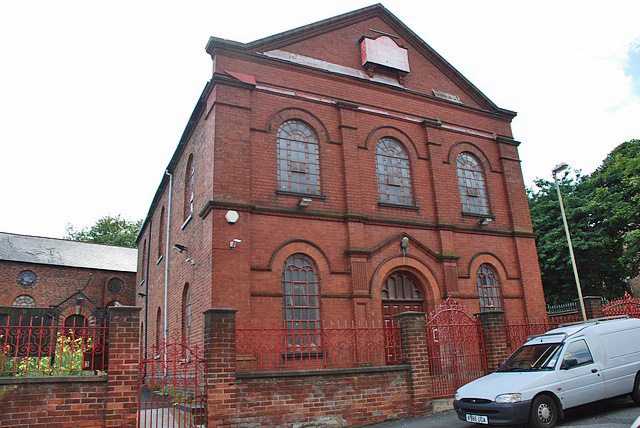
x=62, y=252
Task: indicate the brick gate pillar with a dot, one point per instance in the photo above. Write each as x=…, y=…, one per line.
x=220, y=352
x=415, y=352
x=592, y=306
x=123, y=366
x=495, y=338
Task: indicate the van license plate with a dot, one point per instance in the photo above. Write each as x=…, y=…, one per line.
x=476, y=419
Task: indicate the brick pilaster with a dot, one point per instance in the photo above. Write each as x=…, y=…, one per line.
x=123, y=370
x=495, y=338
x=415, y=352
x=592, y=306
x=220, y=352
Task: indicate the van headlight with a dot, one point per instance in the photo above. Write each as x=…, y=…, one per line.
x=509, y=398
x=457, y=397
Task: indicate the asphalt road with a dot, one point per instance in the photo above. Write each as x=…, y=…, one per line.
x=614, y=413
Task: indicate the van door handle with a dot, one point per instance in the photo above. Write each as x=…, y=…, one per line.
x=594, y=370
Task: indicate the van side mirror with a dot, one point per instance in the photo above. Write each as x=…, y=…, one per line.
x=568, y=363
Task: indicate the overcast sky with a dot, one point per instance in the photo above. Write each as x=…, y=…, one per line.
x=94, y=96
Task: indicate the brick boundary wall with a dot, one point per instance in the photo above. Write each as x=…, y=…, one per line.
x=77, y=401
x=82, y=401
x=331, y=397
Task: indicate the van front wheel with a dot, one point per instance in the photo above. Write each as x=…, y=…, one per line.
x=635, y=395
x=544, y=412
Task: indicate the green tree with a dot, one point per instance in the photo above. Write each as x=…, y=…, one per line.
x=614, y=197
x=107, y=230
x=603, y=212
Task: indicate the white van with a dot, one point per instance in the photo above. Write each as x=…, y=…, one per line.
x=563, y=368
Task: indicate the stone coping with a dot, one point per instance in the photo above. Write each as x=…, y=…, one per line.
x=51, y=379
x=322, y=372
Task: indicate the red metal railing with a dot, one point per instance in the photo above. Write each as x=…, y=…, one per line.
x=626, y=305
x=171, y=387
x=518, y=330
x=264, y=346
x=29, y=348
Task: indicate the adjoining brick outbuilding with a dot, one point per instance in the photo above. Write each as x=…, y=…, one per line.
x=62, y=280
x=339, y=171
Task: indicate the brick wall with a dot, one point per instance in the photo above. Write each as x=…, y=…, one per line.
x=233, y=143
x=83, y=401
x=350, y=397
x=54, y=284
x=70, y=401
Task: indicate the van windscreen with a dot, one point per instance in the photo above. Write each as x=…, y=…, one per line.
x=541, y=356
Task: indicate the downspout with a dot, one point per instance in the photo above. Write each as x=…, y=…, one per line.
x=146, y=290
x=166, y=263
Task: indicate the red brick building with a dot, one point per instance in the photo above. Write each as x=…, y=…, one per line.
x=68, y=281
x=338, y=171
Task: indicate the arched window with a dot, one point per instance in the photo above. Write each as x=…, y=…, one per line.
x=488, y=288
x=298, y=158
x=186, y=314
x=24, y=301
x=188, y=187
x=159, y=332
x=74, y=326
x=473, y=194
x=401, y=293
x=394, y=175
x=301, y=300
x=161, y=233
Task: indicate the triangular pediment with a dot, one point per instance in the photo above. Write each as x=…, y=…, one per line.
x=338, y=45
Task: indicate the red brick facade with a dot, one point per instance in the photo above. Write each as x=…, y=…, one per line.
x=57, y=287
x=350, y=235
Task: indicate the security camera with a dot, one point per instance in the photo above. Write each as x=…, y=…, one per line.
x=234, y=243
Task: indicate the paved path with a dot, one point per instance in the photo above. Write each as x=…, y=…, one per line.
x=614, y=413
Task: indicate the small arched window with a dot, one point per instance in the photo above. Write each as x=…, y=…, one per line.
x=161, y=233
x=488, y=288
x=143, y=272
x=298, y=158
x=188, y=187
x=186, y=314
x=301, y=300
x=24, y=301
x=392, y=170
x=471, y=184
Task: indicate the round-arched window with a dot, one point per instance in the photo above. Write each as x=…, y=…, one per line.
x=393, y=173
x=24, y=301
x=471, y=184
x=488, y=288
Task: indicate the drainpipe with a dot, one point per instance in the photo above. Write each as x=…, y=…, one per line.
x=146, y=289
x=166, y=263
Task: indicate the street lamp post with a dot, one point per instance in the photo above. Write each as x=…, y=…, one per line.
x=557, y=169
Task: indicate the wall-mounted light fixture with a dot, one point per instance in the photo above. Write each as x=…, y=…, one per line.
x=231, y=216
x=485, y=221
x=234, y=243
x=180, y=248
x=404, y=244
x=304, y=202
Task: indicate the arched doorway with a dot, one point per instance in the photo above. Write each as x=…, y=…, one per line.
x=401, y=292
